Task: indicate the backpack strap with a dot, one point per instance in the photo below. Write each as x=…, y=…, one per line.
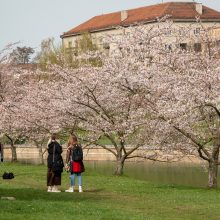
x=53, y=152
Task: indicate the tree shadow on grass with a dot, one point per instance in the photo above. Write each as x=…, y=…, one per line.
x=29, y=194
x=181, y=187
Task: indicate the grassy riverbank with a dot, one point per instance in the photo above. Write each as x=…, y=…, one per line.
x=104, y=197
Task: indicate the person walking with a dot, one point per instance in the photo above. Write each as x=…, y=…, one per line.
x=54, y=164
x=74, y=161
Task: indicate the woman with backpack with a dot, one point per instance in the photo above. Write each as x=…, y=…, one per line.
x=55, y=164
x=74, y=163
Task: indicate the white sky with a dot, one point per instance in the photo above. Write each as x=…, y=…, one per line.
x=31, y=21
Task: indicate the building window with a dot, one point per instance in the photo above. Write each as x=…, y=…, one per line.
x=197, y=31
x=168, y=47
x=70, y=44
x=218, y=43
x=197, y=47
x=168, y=32
x=106, y=46
x=183, y=46
x=182, y=32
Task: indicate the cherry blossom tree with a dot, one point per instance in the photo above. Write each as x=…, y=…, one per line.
x=100, y=108
x=149, y=92
x=23, y=113
x=9, y=87
x=188, y=101
x=179, y=86
x=40, y=116
x=11, y=123
x=112, y=101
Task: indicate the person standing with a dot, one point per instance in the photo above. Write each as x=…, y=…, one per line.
x=74, y=158
x=54, y=164
x=1, y=152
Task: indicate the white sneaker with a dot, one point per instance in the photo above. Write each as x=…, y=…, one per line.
x=54, y=189
x=71, y=189
x=80, y=189
x=49, y=189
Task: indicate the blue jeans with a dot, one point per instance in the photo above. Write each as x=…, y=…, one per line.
x=72, y=179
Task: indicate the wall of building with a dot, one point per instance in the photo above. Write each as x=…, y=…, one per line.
x=31, y=155
x=98, y=36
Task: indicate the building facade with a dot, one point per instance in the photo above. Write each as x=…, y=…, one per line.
x=183, y=14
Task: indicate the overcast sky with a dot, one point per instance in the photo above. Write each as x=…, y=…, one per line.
x=31, y=21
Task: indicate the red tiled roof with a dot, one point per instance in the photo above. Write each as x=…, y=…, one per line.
x=177, y=10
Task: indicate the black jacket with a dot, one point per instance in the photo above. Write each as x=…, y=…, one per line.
x=53, y=148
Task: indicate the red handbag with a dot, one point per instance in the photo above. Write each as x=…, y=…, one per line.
x=76, y=167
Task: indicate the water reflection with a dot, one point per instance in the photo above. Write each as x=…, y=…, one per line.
x=186, y=174
x=166, y=173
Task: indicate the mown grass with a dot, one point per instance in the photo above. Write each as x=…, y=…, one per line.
x=104, y=197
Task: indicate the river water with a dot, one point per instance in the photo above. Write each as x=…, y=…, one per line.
x=185, y=174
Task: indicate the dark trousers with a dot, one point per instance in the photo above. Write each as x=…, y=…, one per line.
x=53, y=178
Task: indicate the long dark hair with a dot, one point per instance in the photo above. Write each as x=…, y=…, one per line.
x=53, y=137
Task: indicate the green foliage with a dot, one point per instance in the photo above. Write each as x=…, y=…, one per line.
x=49, y=54
x=104, y=197
x=56, y=54
x=85, y=44
x=19, y=140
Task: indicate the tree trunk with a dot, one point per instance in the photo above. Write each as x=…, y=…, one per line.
x=41, y=155
x=119, y=166
x=13, y=149
x=213, y=164
x=13, y=153
x=213, y=173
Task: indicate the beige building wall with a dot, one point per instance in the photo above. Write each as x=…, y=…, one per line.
x=193, y=26
x=215, y=33
x=96, y=38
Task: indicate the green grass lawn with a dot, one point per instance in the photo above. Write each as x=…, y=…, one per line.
x=104, y=197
